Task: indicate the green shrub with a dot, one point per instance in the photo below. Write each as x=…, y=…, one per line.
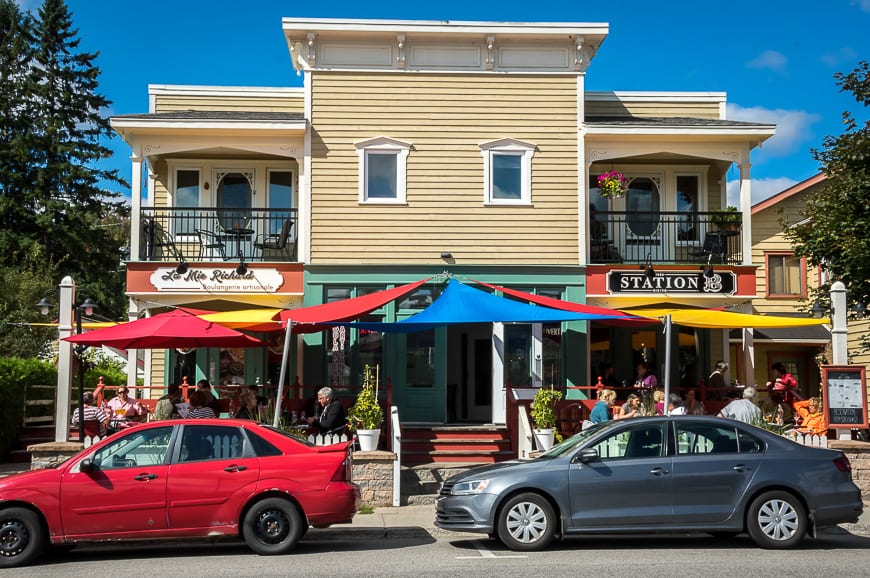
x=16, y=375
x=366, y=412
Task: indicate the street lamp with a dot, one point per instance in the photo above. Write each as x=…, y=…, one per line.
x=87, y=307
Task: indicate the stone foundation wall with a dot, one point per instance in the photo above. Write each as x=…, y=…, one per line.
x=49, y=454
x=859, y=455
x=373, y=472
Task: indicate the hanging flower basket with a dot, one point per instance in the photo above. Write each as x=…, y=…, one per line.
x=612, y=184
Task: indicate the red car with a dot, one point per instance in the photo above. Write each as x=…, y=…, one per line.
x=180, y=479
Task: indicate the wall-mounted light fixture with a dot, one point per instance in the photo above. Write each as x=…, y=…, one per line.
x=647, y=268
x=446, y=255
x=182, y=268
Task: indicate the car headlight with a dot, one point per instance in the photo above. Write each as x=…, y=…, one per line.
x=468, y=488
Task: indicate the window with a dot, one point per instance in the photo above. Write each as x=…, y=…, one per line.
x=695, y=439
x=280, y=192
x=211, y=443
x=137, y=449
x=687, y=205
x=641, y=441
x=186, y=195
x=234, y=192
x=507, y=172
x=382, y=170
x=785, y=275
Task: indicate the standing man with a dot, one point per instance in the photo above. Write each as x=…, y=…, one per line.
x=330, y=418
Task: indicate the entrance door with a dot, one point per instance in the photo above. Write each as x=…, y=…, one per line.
x=420, y=396
x=469, y=373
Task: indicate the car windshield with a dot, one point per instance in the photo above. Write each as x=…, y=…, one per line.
x=572, y=442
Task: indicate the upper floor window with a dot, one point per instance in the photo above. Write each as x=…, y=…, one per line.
x=785, y=275
x=186, y=195
x=507, y=172
x=687, y=206
x=383, y=168
x=234, y=192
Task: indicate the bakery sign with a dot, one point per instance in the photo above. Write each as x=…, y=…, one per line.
x=217, y=280
x=671, y=282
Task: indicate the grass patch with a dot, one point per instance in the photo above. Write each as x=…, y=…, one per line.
x=365, y=509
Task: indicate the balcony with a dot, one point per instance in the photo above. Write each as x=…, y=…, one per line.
x=217, y=234
x=665, y=237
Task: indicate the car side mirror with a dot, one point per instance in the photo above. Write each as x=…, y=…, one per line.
x=88, y=465
x=587, y=455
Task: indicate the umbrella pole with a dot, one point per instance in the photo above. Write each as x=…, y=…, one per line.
x=283, y=376
x=667, y=376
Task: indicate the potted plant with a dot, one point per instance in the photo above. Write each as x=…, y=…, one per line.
x=543, y=413
x=612, y=184
x=727, y=219
x=366, y=417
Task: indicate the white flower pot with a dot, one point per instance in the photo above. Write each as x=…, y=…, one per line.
x=368, y=439
x=544, y=438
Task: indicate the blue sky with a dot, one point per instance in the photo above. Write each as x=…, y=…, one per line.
x=774, y=59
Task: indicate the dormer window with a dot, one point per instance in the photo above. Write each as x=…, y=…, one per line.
x=383, y=170
x=507, y=172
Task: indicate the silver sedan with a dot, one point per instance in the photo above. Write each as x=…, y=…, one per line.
x=657, y=474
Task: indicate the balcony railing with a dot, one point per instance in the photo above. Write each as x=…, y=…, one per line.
x=217, y=234
x=664, y=237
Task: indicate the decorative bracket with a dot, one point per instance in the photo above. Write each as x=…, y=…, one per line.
x=400, y=57
x=490, y=58
x=582, y=55
x=311, y=51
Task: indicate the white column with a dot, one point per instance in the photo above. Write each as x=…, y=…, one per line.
x=132, y=354
x=499, y=393
x=838, y=324
x=746, y=209
x=64, y=360
x=135, y=208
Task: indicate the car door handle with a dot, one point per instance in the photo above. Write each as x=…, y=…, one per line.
x=235, y=468
x=658, y=471
x=145, y=477
x=741, y=468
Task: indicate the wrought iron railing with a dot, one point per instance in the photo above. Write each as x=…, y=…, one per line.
x=665, y=237
x=217, y=234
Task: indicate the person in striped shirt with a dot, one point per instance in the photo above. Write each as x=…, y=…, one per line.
x=92, y=414
x=198, y=407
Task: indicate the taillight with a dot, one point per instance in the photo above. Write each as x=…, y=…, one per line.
x=843, y=464
x=345, y=472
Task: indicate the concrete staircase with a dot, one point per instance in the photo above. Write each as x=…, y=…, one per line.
x=481, y=444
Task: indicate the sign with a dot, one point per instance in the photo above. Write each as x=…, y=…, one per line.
x=671, y=282
x=845, y=396
x=217, y=280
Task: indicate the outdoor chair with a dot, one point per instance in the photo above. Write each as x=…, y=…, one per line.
x=280, y=244
x=210, y=245
x=714, y=248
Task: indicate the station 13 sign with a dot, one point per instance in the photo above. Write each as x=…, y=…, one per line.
x=719, y=283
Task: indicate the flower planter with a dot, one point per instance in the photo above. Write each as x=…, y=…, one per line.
x=368, y=439
x=544, y=438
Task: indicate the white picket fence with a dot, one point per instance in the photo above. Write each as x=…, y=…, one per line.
x=807, y=439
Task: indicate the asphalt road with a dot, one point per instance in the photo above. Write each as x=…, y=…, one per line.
x=415, y=552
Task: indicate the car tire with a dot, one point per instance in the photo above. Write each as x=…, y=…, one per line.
x=22, y=537
x=526, y=522
x=272, y=526
x=776, y=520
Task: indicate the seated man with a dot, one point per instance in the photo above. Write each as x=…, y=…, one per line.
x=124, y=409
x=95, y=418
x=330, y=418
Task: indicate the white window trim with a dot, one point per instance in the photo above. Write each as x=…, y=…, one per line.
x=383, y=145
x=508, y=146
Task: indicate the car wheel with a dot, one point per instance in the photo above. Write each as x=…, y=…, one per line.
x=526, y=522
x=22, y=538
x=776, y=520
x=272, y=526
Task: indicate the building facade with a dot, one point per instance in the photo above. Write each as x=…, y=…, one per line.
x=418, y=148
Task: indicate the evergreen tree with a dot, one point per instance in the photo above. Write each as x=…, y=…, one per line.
x=834, y=231
x=58, y=215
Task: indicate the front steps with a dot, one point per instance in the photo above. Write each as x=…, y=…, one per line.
x=480, y=444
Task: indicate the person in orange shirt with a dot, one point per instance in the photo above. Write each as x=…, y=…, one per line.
x=812, y=418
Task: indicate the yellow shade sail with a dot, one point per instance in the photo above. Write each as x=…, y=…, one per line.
x=713, y=319
x=250, y=319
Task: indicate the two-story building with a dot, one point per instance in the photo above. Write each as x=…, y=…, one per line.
x=414, y=148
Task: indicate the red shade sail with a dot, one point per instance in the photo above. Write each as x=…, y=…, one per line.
x=619, y=317
x=176, y=328
x=348, y=309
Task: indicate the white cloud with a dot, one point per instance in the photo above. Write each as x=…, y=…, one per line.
x=761, y=189
x=793, y=127
x=864, y=5
x=770, y=60
x=844, y=54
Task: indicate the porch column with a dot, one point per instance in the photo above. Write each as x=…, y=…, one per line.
x=132, y=354
x=748, y=350
x=499, y=392
x=746, y=209
x=135, y=207
x=64, y=360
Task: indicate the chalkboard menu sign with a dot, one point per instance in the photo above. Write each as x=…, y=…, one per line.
x=845, y=396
